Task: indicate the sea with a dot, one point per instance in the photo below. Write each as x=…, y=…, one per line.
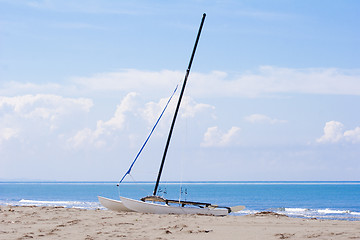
x=320, y=200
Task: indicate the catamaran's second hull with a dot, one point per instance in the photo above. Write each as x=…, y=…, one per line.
x=148, y=207
x=113, y=205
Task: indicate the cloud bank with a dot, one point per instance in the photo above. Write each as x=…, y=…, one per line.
x=130, y=109
x=266, y=80
x=50, y=108
x=50, y=121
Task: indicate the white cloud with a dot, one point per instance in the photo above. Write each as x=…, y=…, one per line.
x=153, y=110
x=47, y=107
x=189, y=109
x=130, y=80
x=267, y=80
x=353, y=135
x=87, y=136
x=334, y=132
x=7, y=133
x=34, y=105
x=118, y=120
x=260, y=118
x=149, y=114
x=214, y=137
x=311, y=80
x=104, y=128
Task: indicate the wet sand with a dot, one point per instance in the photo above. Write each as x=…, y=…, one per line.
x=64, y=223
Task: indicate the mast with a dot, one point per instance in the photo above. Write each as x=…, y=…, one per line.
x=178, y=105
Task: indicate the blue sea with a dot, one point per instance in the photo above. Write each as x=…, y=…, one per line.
x=321, y=200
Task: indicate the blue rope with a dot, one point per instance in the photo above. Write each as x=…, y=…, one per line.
x=128, y=171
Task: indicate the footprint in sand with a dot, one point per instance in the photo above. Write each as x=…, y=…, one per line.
x=284, y=235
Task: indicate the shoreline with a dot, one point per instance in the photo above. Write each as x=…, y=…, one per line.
x=184, y=182
x=25, y=222
x=301, y=213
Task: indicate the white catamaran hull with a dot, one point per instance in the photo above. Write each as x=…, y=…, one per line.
x=113, y=205
x=147, y=207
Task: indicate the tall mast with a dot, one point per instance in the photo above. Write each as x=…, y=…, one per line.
x=178, y=105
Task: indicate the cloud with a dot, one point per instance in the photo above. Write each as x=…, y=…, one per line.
x=7, y=133
x=265, y=81
x=87, y=136
x=189, y=109
x=353, y=135
x=42, y=107
x=29, y=105
x=260, y=118
x=130, y=80
x=121, y=117
x=334, y=133
x=118, y=120
x=104, y=128
x=214, y=137
x=152, y=110
x=269, y=80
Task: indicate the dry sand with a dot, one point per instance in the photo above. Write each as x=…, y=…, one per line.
x=65, y=223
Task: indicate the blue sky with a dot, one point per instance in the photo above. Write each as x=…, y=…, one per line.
x=272, y=95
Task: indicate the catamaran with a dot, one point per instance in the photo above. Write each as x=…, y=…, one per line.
x=157, y=204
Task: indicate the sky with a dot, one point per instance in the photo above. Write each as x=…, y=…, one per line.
x=273, y=92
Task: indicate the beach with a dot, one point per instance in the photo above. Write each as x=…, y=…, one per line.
x=31, y=222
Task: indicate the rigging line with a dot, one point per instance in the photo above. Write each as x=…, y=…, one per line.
x=183, y=156
x=137, y=185
x=152, y=130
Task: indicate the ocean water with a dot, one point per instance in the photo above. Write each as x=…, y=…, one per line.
x=322, y=200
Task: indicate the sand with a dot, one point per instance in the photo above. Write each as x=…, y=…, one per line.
x=65, y=223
